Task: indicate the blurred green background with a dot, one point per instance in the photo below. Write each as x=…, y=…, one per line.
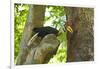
x=54, y=17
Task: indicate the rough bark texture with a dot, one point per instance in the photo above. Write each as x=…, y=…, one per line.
x=81, y=41
x=35, y=19
x=42, y=50
x=33, y=49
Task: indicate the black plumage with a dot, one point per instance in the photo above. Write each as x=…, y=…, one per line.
x=43, y=31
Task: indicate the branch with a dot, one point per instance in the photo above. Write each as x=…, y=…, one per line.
x=44, y=50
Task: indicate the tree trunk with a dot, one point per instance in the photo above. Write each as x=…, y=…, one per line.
x=33, y=49
x=80, y=44
x=35, y=19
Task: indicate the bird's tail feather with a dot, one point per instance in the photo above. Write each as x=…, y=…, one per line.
x=32, y=39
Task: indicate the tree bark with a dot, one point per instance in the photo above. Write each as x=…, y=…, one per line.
x=80, y=44
x=35, y=19
x=33, y=49
x=42, y=50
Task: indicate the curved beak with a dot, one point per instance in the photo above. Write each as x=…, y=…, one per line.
x=70, y=29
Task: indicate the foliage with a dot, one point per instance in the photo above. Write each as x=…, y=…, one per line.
x=54, y=16
x=20, y=13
